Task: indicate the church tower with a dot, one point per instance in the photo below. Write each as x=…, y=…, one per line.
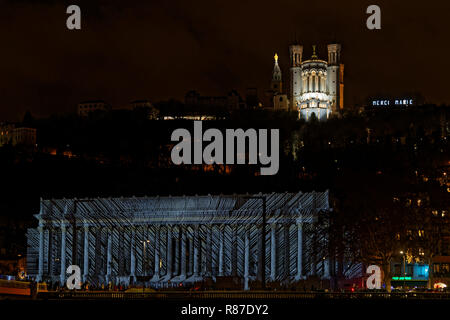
x=295, y=53
x=277, y=84
x=335, y=77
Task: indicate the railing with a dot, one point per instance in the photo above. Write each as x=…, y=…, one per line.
x=184, y=295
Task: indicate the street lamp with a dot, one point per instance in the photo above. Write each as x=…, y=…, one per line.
x=404, y=268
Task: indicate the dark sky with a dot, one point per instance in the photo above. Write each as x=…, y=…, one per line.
x=155, y=50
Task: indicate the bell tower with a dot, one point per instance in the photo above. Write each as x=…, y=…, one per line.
x=335, y=77
x=295, y=53
x=276, y=84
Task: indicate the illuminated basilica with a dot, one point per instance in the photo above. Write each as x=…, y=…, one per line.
x=316, y=86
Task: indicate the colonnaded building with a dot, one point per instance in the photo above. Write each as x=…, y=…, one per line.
x=181, y=239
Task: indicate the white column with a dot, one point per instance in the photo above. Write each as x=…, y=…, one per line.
x=63, y=254
x=169, y=252
x=208, y=251
x=313, y=258
x=183, y=253
x=273, y=265
x=177, y=257
x=86, y=253
x=191, y=255
x=133, y=254
x=246, y=259
x=287, y=266
x=326, y=267
x=233, y=260
x=109, y=257
x=145, y=253
x=221, y=240
x=214, y=260
x=156, y=273
x=41, y=253
x=299, y=250
x=49, y=254
x=196, y=251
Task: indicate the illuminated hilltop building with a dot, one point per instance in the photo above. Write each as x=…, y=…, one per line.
x=317, y=86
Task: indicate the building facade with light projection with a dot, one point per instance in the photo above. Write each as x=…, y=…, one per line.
x=186, y=239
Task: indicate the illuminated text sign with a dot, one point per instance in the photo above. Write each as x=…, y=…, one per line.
x=392, y=102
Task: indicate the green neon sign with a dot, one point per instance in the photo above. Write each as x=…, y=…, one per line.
x=401, y=278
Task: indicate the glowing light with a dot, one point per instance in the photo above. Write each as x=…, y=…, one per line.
x=401, y=278
x=440, y=285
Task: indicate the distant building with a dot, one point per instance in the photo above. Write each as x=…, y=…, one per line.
x=145, y=104
x=317, y=86
x=84, y=108
x=441, y=269
x=140, y=104
x=6, y=133
x=24, y=136
x=229, y=102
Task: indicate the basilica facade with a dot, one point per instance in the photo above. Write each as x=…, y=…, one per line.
x=316, y=85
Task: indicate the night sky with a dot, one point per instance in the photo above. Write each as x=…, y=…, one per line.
x=156, y=50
